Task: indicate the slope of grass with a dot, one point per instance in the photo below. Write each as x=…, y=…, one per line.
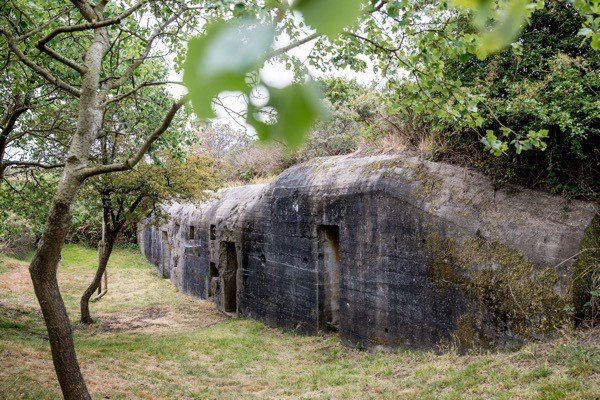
x=151, y=342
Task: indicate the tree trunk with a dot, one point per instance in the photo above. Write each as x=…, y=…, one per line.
x=105, y=249
x=43, y=271
x=44, y=265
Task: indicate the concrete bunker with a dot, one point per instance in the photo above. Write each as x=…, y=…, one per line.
x=390, y=251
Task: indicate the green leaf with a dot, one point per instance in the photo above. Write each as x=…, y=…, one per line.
x=329, y=16
x=220, y=60
x=298, y=106
x=596, y=41
x=518, y=147
x=393, y=8
x=508, y=23
x=505, y=131
x=239, y=9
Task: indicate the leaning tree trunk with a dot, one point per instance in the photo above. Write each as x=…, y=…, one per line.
x=43, y=268
x=105, y=248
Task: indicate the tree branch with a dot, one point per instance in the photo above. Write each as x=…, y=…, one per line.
x=138, y=87
x=31, y=164
x=43, y=72
x=62, y=59
x=92, y=25
x=40, y=28
x=86, y=9
x=131, y=162
x=111, y=84
x=11, y=119
x=285, y=49
x=100, y=6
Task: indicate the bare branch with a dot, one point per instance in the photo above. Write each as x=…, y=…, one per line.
x=291, y=46
x=31, y=164
x=131, y=162
x=137, y=88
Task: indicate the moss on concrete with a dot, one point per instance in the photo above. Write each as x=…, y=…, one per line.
x=587, y=263
x=383, y=166
x=470, y=334
x=505, y=289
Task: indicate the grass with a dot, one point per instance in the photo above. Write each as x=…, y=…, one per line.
x=151, y=342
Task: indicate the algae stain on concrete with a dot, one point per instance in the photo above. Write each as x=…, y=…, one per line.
x=587, y=264
x=502, y=287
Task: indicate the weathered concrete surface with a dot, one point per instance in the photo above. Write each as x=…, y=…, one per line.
x=389, y=250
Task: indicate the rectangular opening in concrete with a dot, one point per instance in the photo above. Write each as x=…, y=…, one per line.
x=328, y=266
x=229, y=267
x=166, y=255
x=213, y=232
x=214, y=272
x=213, y=280
x=192, y=232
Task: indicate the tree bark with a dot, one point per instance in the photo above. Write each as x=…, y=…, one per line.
x=43, y=271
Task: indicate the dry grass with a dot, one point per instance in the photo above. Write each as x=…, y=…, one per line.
x=257, y=180
x=151, y=342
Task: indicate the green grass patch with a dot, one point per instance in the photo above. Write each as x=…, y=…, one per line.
x=151, y=341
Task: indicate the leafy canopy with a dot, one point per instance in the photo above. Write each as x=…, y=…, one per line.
x=229, y=54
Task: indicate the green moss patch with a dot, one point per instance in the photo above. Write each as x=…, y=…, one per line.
x=505, y=288
x=587, y=264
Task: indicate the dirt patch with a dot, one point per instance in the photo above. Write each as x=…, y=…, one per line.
x=164, y=318
x=135, y=320
x=16, y=279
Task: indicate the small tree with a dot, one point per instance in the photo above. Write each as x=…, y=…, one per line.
x=113, y=42
x=126, y=198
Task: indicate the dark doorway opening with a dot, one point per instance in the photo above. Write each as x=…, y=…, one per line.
x=229, y=264
x=213, y=280
x=192, y=232
x=166, y=255
x=214, y=272
x=328, y=265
